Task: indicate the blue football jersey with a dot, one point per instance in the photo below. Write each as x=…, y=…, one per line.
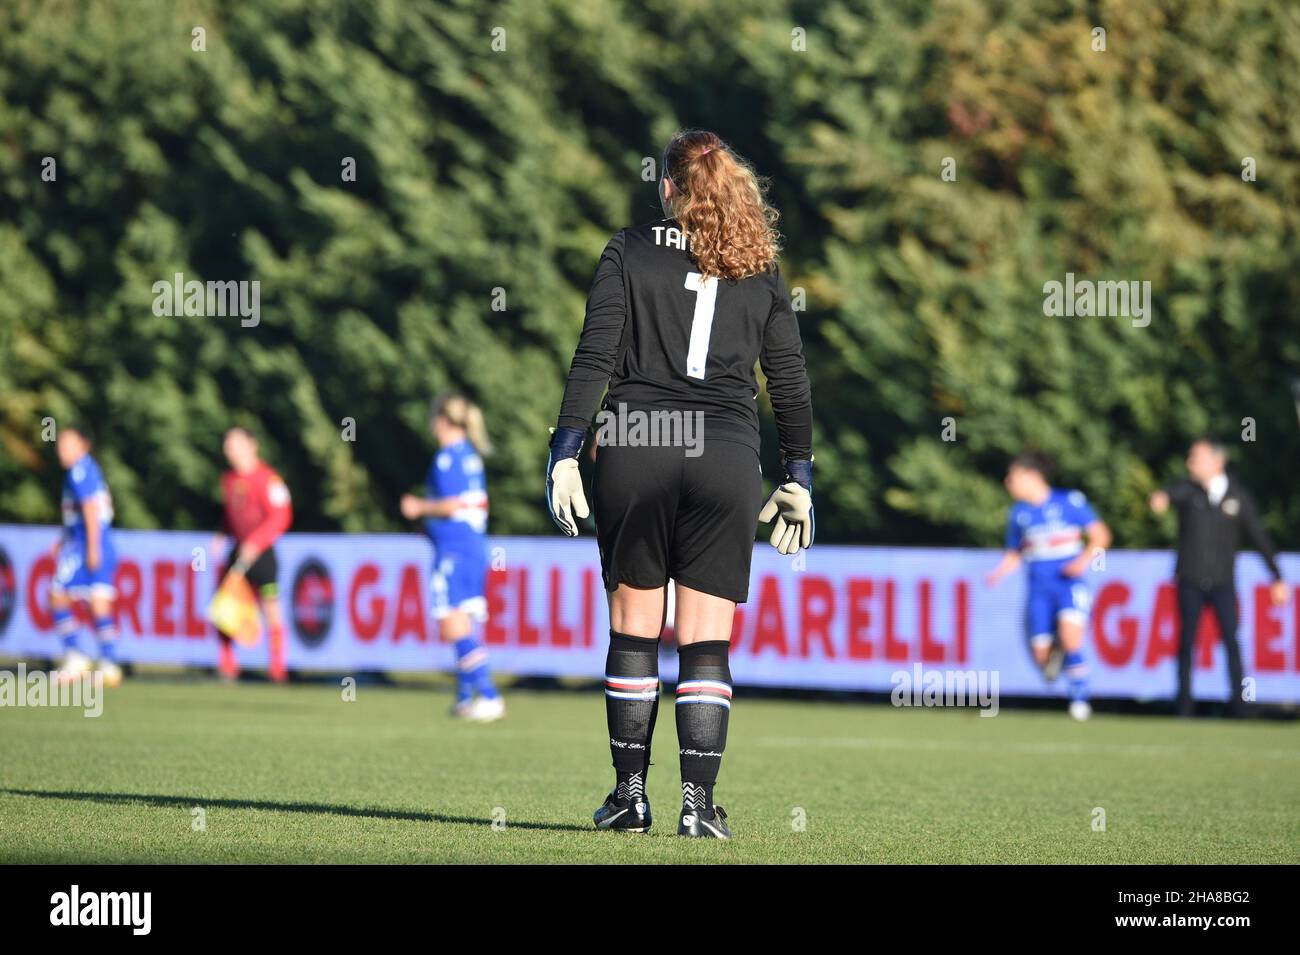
x=84, y=482
x=457, y=471
x=1050, y=534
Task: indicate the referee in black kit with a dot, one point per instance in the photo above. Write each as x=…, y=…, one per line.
x=1214, y=510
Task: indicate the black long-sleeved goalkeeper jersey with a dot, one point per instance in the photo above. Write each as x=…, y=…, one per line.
x=665, y=340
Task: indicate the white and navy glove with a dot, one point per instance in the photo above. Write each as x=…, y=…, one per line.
x=791, y=505
x=564, y=497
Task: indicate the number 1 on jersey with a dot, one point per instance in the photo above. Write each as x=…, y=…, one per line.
x=706, y=297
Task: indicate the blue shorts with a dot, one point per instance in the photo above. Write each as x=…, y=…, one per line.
x=1062, y=598
x=72, y=577
x=458, y=583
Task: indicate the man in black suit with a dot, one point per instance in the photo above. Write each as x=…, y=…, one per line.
x=1214, y=510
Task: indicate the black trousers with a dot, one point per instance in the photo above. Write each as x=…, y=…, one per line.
x=1192, y=596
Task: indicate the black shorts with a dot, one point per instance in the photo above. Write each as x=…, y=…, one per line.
x=262, y=576
x=661, y=514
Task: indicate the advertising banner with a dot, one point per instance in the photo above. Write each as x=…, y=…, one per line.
x=847, y=618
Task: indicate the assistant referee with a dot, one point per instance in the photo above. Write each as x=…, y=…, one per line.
x=1214, y=511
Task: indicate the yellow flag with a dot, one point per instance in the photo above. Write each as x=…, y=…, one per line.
x=234, y=611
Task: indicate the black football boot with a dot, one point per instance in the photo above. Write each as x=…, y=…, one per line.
x=623, y=815
x=704, y=824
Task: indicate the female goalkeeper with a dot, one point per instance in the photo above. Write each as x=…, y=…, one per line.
x=679, y=312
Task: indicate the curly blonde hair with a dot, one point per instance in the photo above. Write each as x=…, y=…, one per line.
x=720, y=205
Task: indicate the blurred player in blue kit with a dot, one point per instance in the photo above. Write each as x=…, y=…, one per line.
x=455, y=511
x=85, y=560
x=1054, y=533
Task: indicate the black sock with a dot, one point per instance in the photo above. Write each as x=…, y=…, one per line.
x=703, y=706
x=631, y=705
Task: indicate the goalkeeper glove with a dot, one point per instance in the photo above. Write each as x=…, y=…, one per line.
x=791, y=505
x=564, y=497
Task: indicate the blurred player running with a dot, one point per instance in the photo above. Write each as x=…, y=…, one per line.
x=1045, y=531
x=257, y=511
x=680, y=312
x=455, y=518
x=86, y=562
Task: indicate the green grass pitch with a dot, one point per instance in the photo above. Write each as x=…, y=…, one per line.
x=296, y=774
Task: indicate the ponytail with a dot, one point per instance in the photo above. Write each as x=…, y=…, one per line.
x=719, y=204
x=463, y=413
